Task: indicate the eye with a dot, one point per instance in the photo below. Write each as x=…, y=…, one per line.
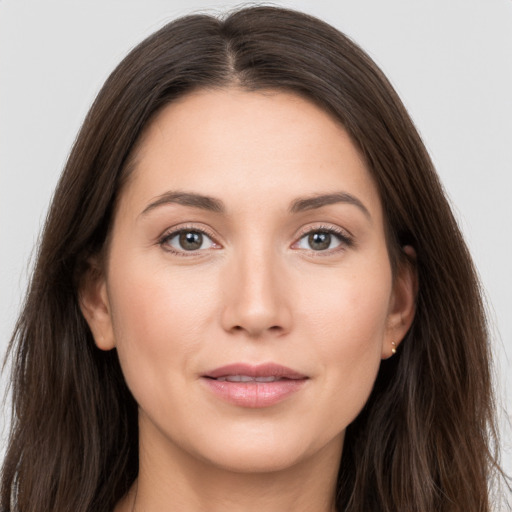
x=322, y=240
x=187, y=240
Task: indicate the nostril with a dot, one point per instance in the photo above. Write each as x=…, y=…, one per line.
x=276, y=329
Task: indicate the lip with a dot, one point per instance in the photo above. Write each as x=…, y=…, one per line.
x=254, y=394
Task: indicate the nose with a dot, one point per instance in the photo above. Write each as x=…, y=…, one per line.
x=255, y=298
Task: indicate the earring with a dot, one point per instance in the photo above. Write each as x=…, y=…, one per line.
x=393, y=350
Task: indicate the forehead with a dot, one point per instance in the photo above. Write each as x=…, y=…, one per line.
x=266, y=145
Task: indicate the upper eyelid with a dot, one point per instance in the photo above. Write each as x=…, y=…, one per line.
x=175, y=230
x=331, y=228
x=171, y=233
x=345, y=238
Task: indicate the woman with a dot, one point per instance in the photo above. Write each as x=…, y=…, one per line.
x=250, y=293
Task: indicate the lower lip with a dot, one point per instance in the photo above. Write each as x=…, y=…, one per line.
x=254, y=394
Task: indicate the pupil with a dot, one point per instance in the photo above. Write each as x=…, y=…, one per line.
x=319, y=241
x=191, y=240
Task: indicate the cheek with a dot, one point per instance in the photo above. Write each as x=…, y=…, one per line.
x=352, y=331
x=350, y=306
x=347, y=319
x=158, y=319
x=151, y=298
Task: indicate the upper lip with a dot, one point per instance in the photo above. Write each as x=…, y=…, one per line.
x=258, y=370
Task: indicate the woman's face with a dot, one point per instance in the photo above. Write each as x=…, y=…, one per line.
x=248, y=288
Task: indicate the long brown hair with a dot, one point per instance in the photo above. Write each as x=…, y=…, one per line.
x=424, y=441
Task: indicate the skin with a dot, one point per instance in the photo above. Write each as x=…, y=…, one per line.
x=256, y=292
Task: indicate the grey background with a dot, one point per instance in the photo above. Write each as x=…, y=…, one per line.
x=450, y=61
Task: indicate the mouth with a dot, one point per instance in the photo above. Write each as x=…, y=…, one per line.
x=247, y=378
x=254, y=386
x=243, y=372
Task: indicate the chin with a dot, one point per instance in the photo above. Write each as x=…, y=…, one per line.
x=256, y=460
x=266, y=452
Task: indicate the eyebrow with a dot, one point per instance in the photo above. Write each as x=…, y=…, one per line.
x=217, y=206
x=317, y=201
x=186, y=199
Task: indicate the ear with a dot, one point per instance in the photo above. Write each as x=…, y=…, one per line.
x=95, y=306
x=403, y=302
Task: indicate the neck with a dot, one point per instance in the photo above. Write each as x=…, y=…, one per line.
x=171, y=480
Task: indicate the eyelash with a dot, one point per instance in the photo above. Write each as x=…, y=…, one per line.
x=166, y=237
x=345, y=239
